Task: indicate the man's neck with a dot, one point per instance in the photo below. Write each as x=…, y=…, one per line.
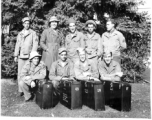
x=73, y=33
x=112, y=30
x=26, y=29
x=33, y=64
x=90, y=33
x=63, y=63
x=83, y=62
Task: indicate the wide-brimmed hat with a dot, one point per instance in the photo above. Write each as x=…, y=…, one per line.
x=91, y=22
x=34, y=54
x=63, y=49
x=25, y=19
x=53, y=18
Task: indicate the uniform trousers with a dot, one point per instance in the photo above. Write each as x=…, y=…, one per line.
x=21, y=63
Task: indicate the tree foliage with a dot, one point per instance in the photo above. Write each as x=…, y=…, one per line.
x=135, y=26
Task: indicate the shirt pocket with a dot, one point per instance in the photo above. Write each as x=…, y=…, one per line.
x=76, y=39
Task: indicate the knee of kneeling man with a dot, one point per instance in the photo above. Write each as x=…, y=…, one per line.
x=55, y=83
x=21, y=83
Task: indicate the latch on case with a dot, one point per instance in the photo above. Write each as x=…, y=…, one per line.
x=98, y=90
x=76, y=89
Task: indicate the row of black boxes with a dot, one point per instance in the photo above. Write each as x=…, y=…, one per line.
x=93, y=94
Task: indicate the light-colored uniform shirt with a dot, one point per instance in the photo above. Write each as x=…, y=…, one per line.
x=111, y=69
x=35, y=72
x=114, y=42
x=26, y=42
x=57, y=71
x=72, y=43
x=92, y=45
x=82, y=70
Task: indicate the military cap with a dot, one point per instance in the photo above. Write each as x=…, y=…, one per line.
x=71, y=20
x=25, y=19
x=62, y=49
x=91, y=22
x=53, y=18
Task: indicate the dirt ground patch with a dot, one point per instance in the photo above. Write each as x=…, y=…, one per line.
x=14, y=106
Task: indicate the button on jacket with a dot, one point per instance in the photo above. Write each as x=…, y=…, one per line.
x=111, y=69
x=92, y=45
x=35, y=72
x=83, y=70
x=26, y=42
x=113, y=42
x=72, y=43
x=57, y=71
x=51, y=41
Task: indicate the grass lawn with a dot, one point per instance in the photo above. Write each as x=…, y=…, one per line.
x=14, y=106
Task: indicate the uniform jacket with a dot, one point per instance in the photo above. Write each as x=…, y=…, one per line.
x=57, y=71
x=72, y=43
x=26, y=43
x=113, y=67
x=92, y=45
x=51, y=41
x=113, y=42
x=35, y=72
x=82, y=71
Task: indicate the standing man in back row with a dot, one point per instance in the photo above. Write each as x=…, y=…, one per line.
x=92, y=40
x=112, y=40
x=73, y=40
x=27, y=41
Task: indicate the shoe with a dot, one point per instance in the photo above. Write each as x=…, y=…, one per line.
x=30, y=99
x=20, y=94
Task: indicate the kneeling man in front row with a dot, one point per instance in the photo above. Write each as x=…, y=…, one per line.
x=108, y=68
x=84, y=69
x=62, y=69
x=33, y=71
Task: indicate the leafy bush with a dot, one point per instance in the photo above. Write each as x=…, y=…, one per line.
x=135, y=26
x=8, y=66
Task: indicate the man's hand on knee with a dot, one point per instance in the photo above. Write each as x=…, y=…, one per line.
x=32, y=84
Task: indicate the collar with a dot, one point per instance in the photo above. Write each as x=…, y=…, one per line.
x=113, y=33
x=84, y=68
x=36, y=68
x=111, y=66
x=75, y=34
x=59, y=62
x=23, y=33
x=52, y=31
x=93, y=34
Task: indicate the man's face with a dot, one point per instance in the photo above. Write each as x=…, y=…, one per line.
x=109, y=26
x=90, y=28
x=82, y=56
x=54, y=24
x=107, y=58
x=26, y=25
x=72, y=27
x=63, y=56
x=35, y=60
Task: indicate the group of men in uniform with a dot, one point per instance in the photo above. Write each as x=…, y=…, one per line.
x=79, y=56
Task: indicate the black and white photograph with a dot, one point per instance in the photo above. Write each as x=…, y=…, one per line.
x=76, y=58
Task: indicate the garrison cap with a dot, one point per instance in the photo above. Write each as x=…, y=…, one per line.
x=26, y=19
x=62, y=49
